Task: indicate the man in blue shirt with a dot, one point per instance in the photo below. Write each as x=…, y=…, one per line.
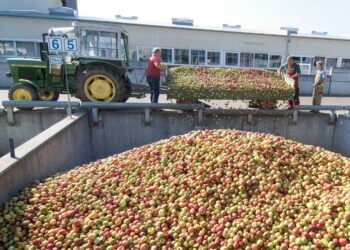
x=320, y=81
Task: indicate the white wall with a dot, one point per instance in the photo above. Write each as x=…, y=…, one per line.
x=319, y=47
x=32, y=28
x=39, y=5
x=26, y=27
x=203, y=39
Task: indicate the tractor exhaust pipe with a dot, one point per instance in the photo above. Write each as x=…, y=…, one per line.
x=45, y=46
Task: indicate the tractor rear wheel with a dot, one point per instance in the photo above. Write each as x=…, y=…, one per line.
x=99, y=84
x=127, y=90
x=49, y=95
x=23, y=92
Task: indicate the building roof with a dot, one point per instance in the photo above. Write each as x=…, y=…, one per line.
x=36, y=14
x=204, y=28
x=233, y=30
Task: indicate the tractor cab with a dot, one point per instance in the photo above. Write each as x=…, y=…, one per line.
x=92, y=60
x=96, y=41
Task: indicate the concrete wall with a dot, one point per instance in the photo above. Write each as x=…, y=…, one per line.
x=28, y=124
x=340, y=82
x=119, y=131
x=337, y=85
x=341, y=142
x=59, y=148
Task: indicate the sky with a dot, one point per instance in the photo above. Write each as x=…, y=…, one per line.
x=331, y=16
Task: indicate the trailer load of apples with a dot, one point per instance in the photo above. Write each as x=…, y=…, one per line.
x=189, y=82
x=213, y=189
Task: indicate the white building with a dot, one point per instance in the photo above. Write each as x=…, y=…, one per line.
x=181, y=42
x=232, y=47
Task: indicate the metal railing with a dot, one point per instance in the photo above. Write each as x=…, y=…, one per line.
x=332, y=108
x=94, y=107
x=102, y=105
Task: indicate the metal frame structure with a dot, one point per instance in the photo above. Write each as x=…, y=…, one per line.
x=147, y=108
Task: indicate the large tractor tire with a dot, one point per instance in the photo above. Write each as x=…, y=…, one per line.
x=23, y=92
x=100, y=84
x=127, y=90
x=50, y=95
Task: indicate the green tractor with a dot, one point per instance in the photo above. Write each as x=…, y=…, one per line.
x=96, y=71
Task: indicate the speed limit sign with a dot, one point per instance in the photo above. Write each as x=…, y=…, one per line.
x=55, y=44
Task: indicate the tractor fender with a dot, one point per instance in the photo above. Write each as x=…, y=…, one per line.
x=27, y=82
x=115, y=68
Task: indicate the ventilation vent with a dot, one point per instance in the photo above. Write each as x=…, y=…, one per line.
x=182, y=21
x=324, y=33
x=126, y=17
x=225, y=25
x=62, y=11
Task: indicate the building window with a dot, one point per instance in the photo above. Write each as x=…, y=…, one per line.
x=38, y=50
x=213, y=58
x=144, y=53
x=246, y=60
x=166, y=55
x=317, y=59
x=297, y=59
x=132, y=53
x=307, y=60
x=231, y=59
x=197, y=57
x=26, y=49
x=261, y=60
x=345, y=63
x=304, y=60
x=7, y=48
x=331, y=62
x=275, y=61
x=182, y=56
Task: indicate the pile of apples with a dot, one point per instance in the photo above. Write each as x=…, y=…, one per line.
x=212, y=189
x=228, y=84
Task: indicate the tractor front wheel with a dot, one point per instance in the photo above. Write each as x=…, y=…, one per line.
x=23, y=92
x=49, y=95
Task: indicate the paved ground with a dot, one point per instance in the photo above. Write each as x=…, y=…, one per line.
x=305, y=100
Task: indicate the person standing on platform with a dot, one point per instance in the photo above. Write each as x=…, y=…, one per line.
x=320, y=81
x=153, y=74
x=292, y=70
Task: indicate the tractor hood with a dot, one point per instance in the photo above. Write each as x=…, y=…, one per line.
x=26, y=62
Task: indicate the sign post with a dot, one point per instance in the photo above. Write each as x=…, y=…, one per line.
x=59, y=44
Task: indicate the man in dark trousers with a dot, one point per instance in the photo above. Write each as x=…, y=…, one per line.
x=292, y=69
x=153, y=74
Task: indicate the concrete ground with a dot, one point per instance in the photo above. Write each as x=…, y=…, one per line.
x=305, y=100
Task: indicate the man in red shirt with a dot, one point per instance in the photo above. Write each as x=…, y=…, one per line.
x=153, y=74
